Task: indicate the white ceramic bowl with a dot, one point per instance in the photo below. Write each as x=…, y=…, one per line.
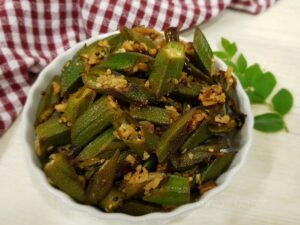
x=40, y=180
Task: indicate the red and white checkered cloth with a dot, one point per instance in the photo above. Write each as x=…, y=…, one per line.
x=33, y=32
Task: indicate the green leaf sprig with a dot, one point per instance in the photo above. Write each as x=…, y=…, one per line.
x=259, y=86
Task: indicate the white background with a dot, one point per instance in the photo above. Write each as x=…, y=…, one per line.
x=265, y=191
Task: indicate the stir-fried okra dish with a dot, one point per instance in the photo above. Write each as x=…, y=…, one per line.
x=139, y=122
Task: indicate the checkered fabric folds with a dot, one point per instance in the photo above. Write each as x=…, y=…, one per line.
x=33, y=32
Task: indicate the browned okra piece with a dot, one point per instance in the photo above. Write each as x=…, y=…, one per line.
x=50, y=134
x=78, y=102
x=178, y=132
x=49, y=98
x=62, y=174
x=101, y=182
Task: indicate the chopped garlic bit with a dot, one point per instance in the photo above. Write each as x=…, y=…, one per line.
x=56, y=87
x=190, y=155
x=104, y=43
x=131, y=159
x=146, y=155
x=198, y=178
x=161, y=167
x=154, y=183
x=127, y=131
x=131, y=46
x=112, y=81
x=140, y=175
x=150, y=32
x=174, y=113
x=198, y=117
x=61, y=107
x=212, y=95
x=222, y=119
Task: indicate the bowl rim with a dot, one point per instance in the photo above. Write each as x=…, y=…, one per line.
x=38, y=175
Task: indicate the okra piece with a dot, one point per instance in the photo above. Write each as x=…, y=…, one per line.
x=132, y=35
x=203, y=52
x=188, y=91
x=49, y=99
x=98, y=117
x=112, y=201
x=78, y=103
x=217, y=167
x=167, y=68
x=112, y=83
x=138, y=208
x=125, y=61
x=50, y=134
x=194, y=71
x=201, y=134
x=101, y=182
x=88, y=55
x=115, y=41
x=177, y=133
x=104, y=142
x=175, y=191
x=134, y=136
x=191, y=157
x=70, y=75
x=63, y=175
x=152, y=114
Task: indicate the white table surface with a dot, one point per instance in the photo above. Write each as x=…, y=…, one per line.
x=265, y=191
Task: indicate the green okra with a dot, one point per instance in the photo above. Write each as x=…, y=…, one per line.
x=152, y=114
x=48, y=100
x=70, y=76
x=175, y=191
x=50, y=134
x=151, y=163
x=115, y=41
x=112, y=201
x=201, y=134
x=134, y=136
x=98, y=117
x=196, y=155
x=167, y=68
x=112, y=83
x=194, y=71
x=138, y=208
x=71, y=73
x=63, y=175
x=78, y=103
x=132, y=35
x=204, y=54
x=217, y=167
x=124, y=61
x=102, y=180
x=177, y=133
x=188, y=91
x=106, y=141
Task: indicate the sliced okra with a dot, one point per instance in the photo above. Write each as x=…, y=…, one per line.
x=88, y=55
x=132, y=35
x=63, y=175
x=196, y=155
x=134, y=136
x=98, y=117
x=152, y=114
x=102, y=180
x=175, y=191
x=106, y=81
x=49, y=99
x=203, y=52
x=138, y=208
x=126, y=61
x=167, y=68
x=106, y=141
x=50, y=134
x=217, y=167
x=197, y=137
x=112, y=201
x=188, y=91
x=78, y=103
x=178, y=132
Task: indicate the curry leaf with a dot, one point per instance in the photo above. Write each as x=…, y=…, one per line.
x=241, y=63
x=268, y=122
x=282, y=101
